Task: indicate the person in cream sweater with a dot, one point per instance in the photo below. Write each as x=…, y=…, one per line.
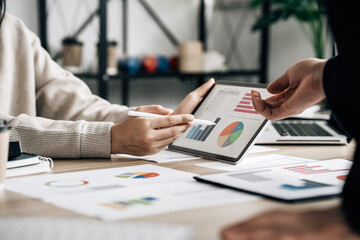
x=53, y=113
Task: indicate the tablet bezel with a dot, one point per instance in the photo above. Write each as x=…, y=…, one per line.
x=218, y=156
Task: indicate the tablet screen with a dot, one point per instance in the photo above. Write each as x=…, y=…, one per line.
x=229, y=105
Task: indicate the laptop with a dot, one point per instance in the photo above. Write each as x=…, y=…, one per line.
x=297, y=130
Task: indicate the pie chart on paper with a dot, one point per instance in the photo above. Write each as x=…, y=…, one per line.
x=230, y=134
x=138, y=175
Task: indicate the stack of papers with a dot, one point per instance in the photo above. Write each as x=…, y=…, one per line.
x=120, y=193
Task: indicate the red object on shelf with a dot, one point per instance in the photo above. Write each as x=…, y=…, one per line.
x=174, y=63
x=150, y=64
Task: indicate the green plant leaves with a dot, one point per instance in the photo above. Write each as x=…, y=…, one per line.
x=309, y=13
x=302, y=10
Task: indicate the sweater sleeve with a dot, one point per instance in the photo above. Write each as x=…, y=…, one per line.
x=68, y=121
x=61, y=139
x=72, y=122
x=62, y=96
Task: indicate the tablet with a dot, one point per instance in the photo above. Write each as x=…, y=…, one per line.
x=229, y=105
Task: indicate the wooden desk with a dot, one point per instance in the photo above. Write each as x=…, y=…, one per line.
x=206, y=222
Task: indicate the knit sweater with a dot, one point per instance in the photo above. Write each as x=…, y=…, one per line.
x=51, y=112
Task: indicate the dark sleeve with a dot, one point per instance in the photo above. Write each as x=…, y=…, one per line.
x=341, y=82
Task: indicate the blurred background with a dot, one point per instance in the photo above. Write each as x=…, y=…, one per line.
x=159, y=50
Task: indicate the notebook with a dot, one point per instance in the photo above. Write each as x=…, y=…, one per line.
x=28, y=163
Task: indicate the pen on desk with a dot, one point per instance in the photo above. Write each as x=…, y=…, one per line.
x=145, y=114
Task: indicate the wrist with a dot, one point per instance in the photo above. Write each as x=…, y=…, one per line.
x=115, y=139
x=94, y=139
x=318, y=75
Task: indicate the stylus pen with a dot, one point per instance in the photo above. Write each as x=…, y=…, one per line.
x=145, y=114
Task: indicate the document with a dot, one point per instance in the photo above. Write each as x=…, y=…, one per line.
x=291, y=182
x=55, y=185
x=260, y=149
x=266, y=161
x=166, y=155
x=120, y=193
x=148, y=200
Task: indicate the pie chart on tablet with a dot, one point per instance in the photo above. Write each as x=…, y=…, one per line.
x=230, y=134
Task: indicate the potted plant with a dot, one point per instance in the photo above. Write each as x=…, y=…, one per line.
x=309, y=13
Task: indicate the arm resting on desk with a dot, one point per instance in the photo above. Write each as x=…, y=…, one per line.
x=61, y=139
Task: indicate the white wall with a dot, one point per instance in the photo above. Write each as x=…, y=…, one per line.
x=26, y=10
x=287, y=43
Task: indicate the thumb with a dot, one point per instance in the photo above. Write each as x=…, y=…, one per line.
x=279, y=85
x=158, y=109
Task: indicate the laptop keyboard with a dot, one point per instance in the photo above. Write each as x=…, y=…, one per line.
x=285, y=128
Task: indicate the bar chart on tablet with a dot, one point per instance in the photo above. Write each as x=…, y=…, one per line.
x=245, y=105
x=200, y=132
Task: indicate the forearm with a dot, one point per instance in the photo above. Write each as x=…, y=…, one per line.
x=69, y=98
x=61, y=139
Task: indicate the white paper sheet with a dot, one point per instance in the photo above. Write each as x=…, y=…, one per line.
x=148, y=200
x=55, y=185
x=270, y=160
x=261, y=149
x=120, y=193
x=163, y=156
x=166, y=155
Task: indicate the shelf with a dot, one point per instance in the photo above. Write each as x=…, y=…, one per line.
x=143, y=75
x=125, y=78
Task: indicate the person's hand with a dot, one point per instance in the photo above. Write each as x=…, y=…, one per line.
x=299, y=88
x=146, y=136
x=194, y=98
x=310, y=225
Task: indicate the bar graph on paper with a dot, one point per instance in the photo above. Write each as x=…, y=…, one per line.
x=200, y=132
x=309, y=170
